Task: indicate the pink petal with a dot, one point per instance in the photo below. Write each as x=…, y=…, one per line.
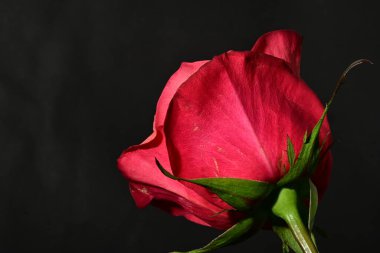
x=179, y=77
x=232, y=117
x=148, y=184
x=283, y=44
x=322, y=174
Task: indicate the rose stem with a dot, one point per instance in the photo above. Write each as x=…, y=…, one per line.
x=285, y=207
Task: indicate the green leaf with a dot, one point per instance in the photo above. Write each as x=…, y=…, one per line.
x=313, y=204
x=287, y=238
x=237, y=232
x=239, y=193
x=291, y=154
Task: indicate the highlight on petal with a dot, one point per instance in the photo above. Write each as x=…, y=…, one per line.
x=283, y=44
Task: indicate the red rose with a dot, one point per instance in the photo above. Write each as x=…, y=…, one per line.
x=228, y=117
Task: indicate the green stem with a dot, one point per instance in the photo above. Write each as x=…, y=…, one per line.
x=301, y=234
x=285, y=207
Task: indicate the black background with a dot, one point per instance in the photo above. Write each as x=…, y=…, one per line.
x=79, y=81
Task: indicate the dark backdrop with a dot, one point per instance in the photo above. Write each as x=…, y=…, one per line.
x=79, y=81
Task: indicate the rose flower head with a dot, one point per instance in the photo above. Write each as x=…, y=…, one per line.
x=229, y=135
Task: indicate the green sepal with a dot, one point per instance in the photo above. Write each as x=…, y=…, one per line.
x=291, y=153
x=313, y=204
x=310, y=152
x=308, y=156
x=287, y=238
x=236, y=233
x=312, y=149
x=239, y=193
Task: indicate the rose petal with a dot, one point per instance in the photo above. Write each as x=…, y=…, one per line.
x=176, y=80
x=148, y=184
x=283, y=44
x=322, y=174
x=179, y=77
x=231, y=118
